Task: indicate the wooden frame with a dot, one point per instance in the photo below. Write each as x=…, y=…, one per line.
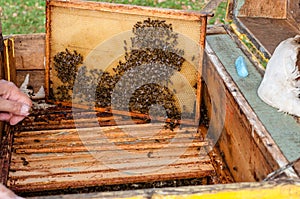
x=55, y=39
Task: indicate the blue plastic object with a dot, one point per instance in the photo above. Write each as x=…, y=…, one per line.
x=241, y=67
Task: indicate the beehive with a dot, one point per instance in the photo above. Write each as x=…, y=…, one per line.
x=84, y=148
x=125, y=84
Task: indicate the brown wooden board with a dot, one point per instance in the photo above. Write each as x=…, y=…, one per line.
x=1, y=69
x=263, y=8
x=269, y=32
x=60, y=159
x=30, y=51
x=5, y=153
x=275, y=190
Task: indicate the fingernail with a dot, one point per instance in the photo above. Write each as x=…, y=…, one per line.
x=25, y=110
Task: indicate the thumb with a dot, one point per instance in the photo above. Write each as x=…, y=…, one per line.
x=14, y=107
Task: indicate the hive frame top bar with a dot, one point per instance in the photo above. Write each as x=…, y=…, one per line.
x=129, y=9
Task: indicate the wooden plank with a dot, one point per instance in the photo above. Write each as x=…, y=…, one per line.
x=79, y=180
x=274, y=190
x=211, y=5
x=5, y=154
x=57, y=159
x=1, y=70
x=294, y=13
x=1, y=53
x=267, y=32
x=97, y=138
x=262, y=8
x=297, y=168
x=265, y=115
x=118, y=133
x=215, y=29
x=64, y=159
x=30, y=51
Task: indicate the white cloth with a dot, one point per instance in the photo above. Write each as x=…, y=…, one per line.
x=280, y=86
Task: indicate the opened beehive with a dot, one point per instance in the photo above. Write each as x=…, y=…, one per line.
x=108, y=66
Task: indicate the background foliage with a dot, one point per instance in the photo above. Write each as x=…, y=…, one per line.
x=28, y=16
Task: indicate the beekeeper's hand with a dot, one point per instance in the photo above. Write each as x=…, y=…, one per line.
x=14, y=105
x=5, y=193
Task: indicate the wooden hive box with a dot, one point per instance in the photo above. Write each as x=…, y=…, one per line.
x=96, y=144
x=60, y=149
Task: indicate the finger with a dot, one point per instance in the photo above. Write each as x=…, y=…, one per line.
x=5, y=193
x=5, y=117
x=14, y=107
x=10, y=91
x=15, y=120
x=12, y=119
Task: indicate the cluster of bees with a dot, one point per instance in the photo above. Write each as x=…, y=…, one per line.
x=66, y=66
x=153, y=47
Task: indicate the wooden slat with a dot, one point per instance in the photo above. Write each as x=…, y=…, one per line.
x=274, y=190
x=58, y=159
x=5, y=154
x=63, y=118
x=297, y=168
x=30, y=51
x=113, y=177
x=264, y=8
x=1, y=70
x=268, y=32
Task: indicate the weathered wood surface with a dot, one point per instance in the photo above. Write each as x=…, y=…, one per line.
x=211, y=6
x=266, y=23
x=1, y=53
x=58, y=159
x=268, y=32
x=236, y=140
x=30, y=51
x=1, y=70
x=5, y=153
x=263, y=8
x=59, y=117
x=263, y=128
x=272, y=190
x=294, y=13
x=215, y=29
x=297, y=168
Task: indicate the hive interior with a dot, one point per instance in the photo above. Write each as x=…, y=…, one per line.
x=123, y=113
